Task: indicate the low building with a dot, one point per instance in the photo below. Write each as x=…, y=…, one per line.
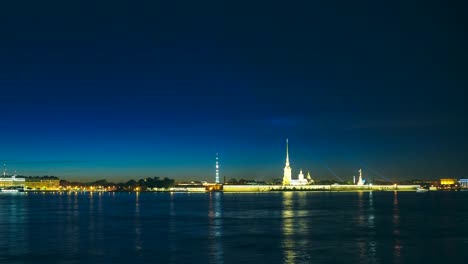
x=426, y=182
x=300, y=180
x=448, y=184
x=463, y=183
x=448, y=181
x=42, y=183
x=12, y=181
x=30, y=183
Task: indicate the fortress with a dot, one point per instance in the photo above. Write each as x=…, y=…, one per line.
x=307, y=184
x=287, y=179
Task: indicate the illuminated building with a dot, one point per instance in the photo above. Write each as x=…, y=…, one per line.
x=309, y=178
x=448, y=181
x=448, y=184
x=463, y=183
x=11, y=181
x=360, y=180
x=43, y=183
x=300, y=180
x=217, y=170
x=300, y=177
x=287, y=169
x=426, y=183
x=38, y=183
x=287, y=179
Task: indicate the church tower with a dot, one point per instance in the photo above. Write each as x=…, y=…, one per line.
x=287, y=169
x=360, y=180
x=309, y=178
x=300, y=177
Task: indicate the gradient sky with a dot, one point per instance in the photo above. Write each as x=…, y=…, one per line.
x=127, y=90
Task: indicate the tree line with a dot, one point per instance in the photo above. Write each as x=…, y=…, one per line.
x=144, y=184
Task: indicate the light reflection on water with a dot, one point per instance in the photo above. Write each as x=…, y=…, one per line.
x=215, y=219
x=295, y=227
x=396, y=229
x=70, y=228
x=12, y=215
x=368, y=244
x=138, y=241
x=172, y=229
x=371, y=230
x=287, y=227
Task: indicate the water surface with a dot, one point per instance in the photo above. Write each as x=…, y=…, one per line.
x=288, y=227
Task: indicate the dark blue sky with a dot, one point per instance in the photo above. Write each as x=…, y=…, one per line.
x=126, y=90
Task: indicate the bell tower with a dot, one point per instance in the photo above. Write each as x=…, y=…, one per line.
x=287, y=168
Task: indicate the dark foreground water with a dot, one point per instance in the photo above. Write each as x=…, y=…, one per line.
x=300, y=227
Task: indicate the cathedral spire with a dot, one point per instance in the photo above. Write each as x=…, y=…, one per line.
x=287, y=168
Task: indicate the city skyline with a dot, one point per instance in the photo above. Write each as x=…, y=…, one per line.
x=117, y=91
x=321, y=172
x=233, y=131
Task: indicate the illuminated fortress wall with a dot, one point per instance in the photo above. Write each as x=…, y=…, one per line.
x=266, y=188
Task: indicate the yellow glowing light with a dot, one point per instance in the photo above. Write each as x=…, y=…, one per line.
x=447, y=181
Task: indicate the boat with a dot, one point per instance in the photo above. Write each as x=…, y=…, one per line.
x=421, y=190
x=12, y=190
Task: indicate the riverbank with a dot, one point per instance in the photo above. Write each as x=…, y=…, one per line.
x=228, y=188
x=348, y=188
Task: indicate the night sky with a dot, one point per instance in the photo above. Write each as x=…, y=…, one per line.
x=120, y=90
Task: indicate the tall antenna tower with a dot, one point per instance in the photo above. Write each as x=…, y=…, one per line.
x=217, y=169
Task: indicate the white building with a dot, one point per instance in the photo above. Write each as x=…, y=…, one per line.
x=287, y=169
x=287, y=179
x=11, y=181
x=463, y=183
x=309, y=178
x=360, y=180
x=300, y=180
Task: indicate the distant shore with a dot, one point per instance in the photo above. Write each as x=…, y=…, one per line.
x=261, y=188
x=349, y=188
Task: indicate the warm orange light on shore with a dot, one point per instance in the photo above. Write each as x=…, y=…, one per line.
x=448, y=181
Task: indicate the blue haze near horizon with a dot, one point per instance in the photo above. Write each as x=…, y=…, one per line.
x=120, y=91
